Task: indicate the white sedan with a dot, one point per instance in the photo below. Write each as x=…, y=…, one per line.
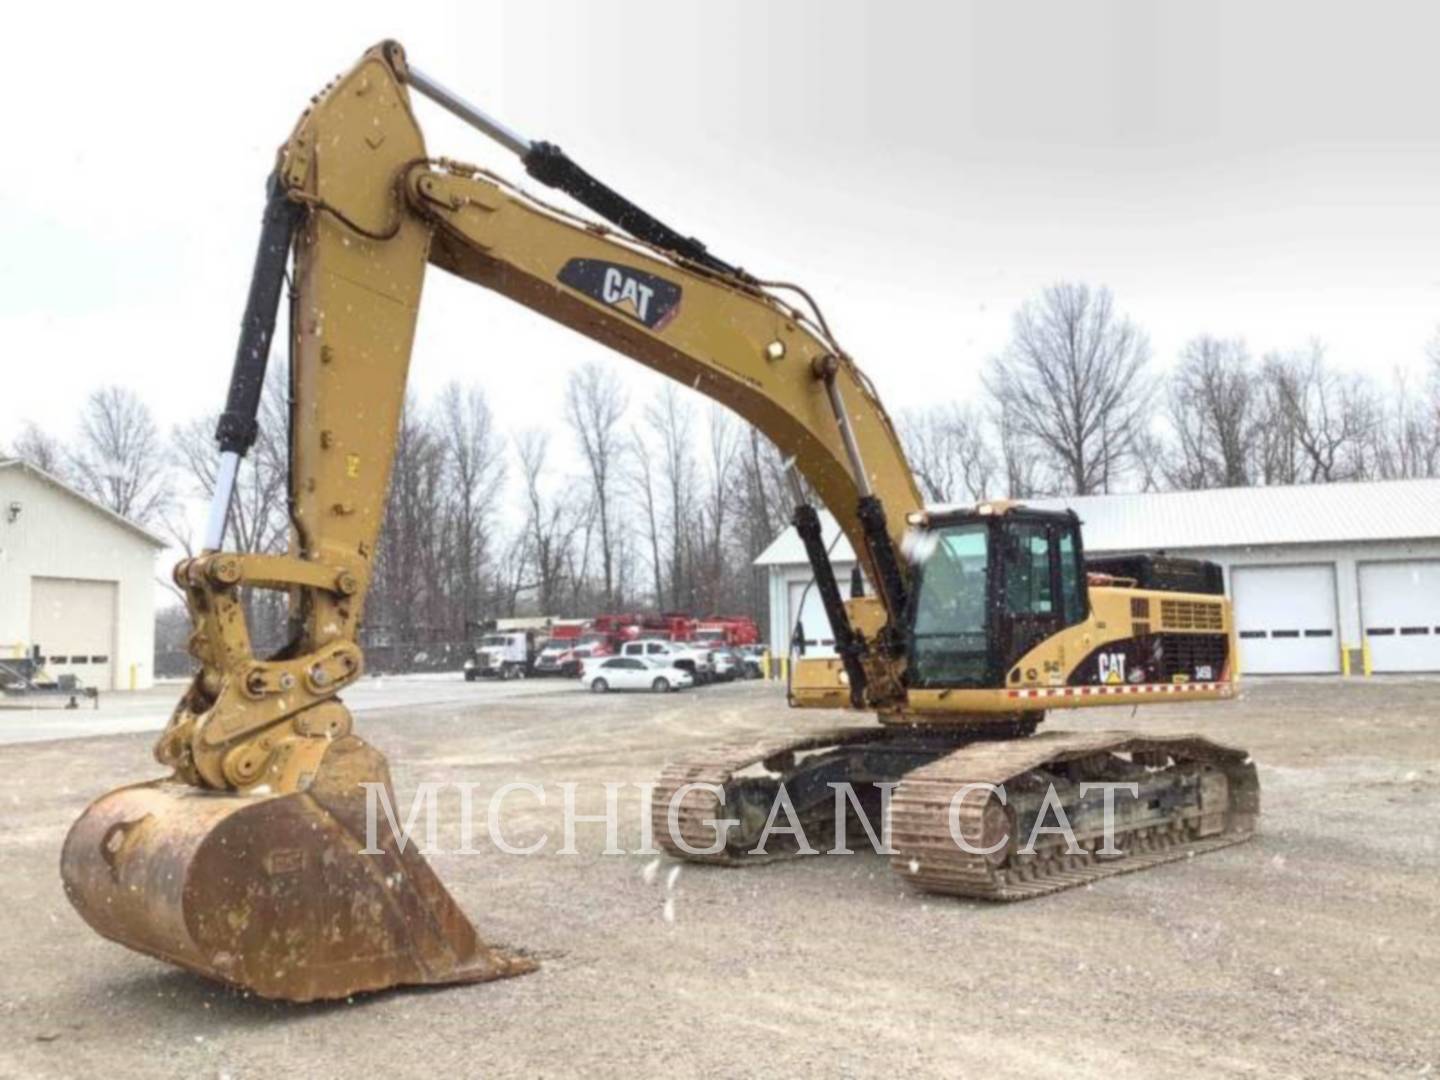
x=634, y=673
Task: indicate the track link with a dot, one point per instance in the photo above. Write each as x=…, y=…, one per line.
x=927, y=855
x=719, y=766
x=1196, y=796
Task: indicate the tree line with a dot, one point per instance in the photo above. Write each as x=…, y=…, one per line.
x=672, y=500
x=1074, y=406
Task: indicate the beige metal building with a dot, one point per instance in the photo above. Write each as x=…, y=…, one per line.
x=76, y=580
x=1326, y=578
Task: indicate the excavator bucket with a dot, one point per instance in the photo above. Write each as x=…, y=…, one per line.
x=274, y=893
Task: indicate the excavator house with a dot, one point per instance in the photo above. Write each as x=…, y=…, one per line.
x=247, y=863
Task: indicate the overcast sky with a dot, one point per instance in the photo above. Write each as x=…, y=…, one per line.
x=1267, y=170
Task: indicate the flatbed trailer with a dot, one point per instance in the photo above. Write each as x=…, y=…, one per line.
x=23, y=682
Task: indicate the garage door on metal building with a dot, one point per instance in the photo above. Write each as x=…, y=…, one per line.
x=73, y=622
x=1285, y=618
x=819, y=640
x=1400, y=614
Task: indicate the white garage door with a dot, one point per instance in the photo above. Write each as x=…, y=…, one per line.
x=1285, y=617
x=1400, y=611
x=819, y=641
x=73, y=622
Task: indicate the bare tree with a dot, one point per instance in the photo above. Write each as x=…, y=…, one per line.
x=508, y=579
x=710, y=535
x=1150, y=459
x=764, y=504
x=946, y=448
x=1019, y=460
x=577, y=554
x=643, y=481
x=1074, y=380
x=766, y=499
x=594, y=406
x=1433, y=380
x=1213, y=405
x=670, y=420
x=1280, y=456
x=41, y=449
x=1408, y=434
x=1318, y=425
x=475, y=474
x=408, y=600
x=545, y=523
x=119, y=459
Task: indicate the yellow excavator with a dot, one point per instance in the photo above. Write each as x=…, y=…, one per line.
x=248, y=862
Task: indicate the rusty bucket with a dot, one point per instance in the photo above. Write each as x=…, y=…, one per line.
x=272, y=893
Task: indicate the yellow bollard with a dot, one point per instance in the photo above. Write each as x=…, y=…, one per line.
x=765, y=664
x=134, y=669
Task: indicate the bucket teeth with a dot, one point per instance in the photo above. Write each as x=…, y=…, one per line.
x=274, y=893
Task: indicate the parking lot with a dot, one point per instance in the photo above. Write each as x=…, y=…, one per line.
x=1310, y=951
x=148, y=710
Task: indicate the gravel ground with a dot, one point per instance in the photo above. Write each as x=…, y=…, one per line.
x=1311, y=951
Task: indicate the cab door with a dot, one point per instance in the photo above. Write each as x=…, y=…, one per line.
x=1030, y=609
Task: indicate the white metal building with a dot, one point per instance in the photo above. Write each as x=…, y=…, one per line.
x=75, y=579
x=1326, y=578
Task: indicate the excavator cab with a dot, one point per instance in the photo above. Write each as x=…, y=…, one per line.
x=989, y=584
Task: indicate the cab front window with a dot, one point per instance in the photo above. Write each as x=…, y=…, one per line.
x=949, y=640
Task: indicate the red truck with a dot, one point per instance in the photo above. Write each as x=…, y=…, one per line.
x=572, y=642
x=732, y=631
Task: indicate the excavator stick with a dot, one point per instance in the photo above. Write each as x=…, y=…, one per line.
x=274, y=893
x=254, y=863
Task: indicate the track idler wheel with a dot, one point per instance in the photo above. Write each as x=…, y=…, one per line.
x=272, y=893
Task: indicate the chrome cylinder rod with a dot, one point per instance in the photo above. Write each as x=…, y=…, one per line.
x=454, y=103
x=220, y=500
x=847, y=436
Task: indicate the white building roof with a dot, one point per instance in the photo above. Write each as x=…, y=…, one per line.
x=104, y=511
x=1219, y=518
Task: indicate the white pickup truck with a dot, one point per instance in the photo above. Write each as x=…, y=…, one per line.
x=698, y=661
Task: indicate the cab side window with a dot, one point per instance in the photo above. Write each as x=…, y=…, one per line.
x=1027, y=571
x=1072, y=581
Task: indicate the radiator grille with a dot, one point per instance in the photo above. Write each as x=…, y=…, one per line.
x=1190, y=615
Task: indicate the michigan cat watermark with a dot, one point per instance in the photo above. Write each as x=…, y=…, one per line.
x=422, y=821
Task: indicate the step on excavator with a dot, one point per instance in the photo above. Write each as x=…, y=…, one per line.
x=247, y=862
